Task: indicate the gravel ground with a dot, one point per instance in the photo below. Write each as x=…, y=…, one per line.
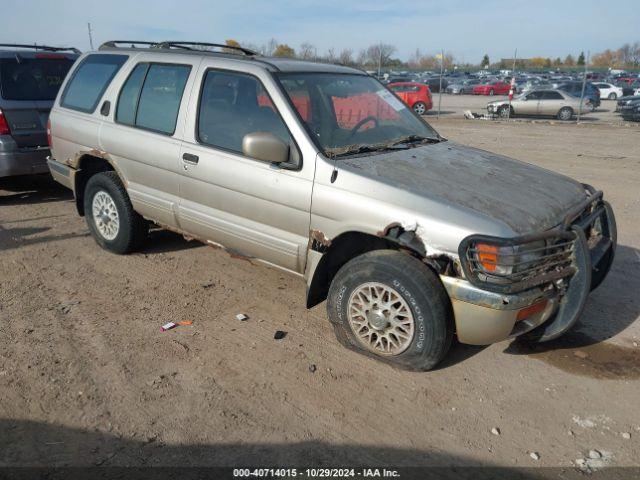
x=87, y=377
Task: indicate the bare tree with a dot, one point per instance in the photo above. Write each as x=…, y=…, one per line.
x=331, y=55
x=379, y=53
x=307, y=51
x=346, y=57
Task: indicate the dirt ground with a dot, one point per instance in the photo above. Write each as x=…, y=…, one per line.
x=87, y=377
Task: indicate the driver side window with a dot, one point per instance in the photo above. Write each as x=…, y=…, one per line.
x=233, y=105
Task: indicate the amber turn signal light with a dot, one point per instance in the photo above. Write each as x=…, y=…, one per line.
x=531, y=310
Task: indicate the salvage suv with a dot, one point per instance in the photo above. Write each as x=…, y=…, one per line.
x=322, y=171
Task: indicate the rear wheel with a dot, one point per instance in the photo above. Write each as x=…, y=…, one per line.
x=391, y=306
x=612, y=96
x=114, y=224
x=565, y=113
x=420, y=108
x=491, y=92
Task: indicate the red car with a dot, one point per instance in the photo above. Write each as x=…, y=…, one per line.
x=494, y=88
x=415, y=95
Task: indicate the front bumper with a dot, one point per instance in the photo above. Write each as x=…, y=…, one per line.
x=483, y=317
x=23, y=161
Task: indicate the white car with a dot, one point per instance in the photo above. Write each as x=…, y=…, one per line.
x=608, y=90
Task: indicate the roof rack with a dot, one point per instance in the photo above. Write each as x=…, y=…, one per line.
x=191, y=45
x=126, y=44
x=45, y=48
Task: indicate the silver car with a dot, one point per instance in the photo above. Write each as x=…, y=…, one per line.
x=321, y=171
x=543, y=103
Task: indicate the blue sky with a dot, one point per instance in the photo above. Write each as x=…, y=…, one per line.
x=467, y=29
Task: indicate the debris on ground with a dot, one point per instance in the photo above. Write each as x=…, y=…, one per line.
x=279, y=335
x=594, y=460
x=171, y=325
x=312, y=368
x=469, y=115
x=495, y=431
x=535, y=455
x=206, y=285
x=626, y=435
x=242, y=317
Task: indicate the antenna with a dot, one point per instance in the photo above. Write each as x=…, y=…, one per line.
x=90, y=36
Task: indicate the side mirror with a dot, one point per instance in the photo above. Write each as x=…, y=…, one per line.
x=265, y=146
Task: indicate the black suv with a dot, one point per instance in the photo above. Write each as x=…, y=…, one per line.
x=30, y=76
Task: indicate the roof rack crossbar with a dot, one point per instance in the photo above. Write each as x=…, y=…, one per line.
x=189, y=45
x=45, y=48
x=126, y=44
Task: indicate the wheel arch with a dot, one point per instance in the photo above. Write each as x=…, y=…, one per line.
x=87, y=166
x=338, y=251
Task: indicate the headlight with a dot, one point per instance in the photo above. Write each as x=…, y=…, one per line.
x=497, y=262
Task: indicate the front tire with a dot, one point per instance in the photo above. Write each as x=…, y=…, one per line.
x=420, y=108
x=504, y=112
x=391, y=306
x=491, y=93
x=565, y=114
x=114, y=224
x=612, y=96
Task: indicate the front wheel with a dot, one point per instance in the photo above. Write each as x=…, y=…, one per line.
x=391, y=306
x=613, y=96
x=114, y=224
x=420, y=108
x=505, y=112
x=491, y=92
x=565, y=113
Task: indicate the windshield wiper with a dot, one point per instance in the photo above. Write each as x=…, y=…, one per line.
x=402, y=143
x=413, y=139
x=362, y=148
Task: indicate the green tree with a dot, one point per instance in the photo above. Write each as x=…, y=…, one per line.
x=569, y=61
x=485, y=61
x=581, y=59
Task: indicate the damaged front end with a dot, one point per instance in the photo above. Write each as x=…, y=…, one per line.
x=534, y=284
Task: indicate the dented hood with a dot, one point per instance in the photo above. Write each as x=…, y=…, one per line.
x=524, y=197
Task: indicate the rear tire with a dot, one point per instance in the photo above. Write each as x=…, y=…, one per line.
x=390, y=306
x=420, y=108
x=114, y=224
x=612, y=96
x=565, y=113
x=491, y=93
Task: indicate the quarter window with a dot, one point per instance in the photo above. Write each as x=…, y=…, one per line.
x=151, y=97
x=90, y=80
x=233, y=105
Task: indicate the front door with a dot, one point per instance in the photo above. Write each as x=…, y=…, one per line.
x=249, y=206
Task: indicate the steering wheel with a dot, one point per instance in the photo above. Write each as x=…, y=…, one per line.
x=362, y=122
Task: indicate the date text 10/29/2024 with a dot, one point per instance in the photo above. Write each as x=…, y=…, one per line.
x=315, y=473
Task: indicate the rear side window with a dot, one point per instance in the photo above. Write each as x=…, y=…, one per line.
x=552, y=96
x=36, y=78
x=151, y=97
x=90, y=80
x=233, y=105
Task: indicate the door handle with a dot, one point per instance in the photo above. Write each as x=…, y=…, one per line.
x=190, y=158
